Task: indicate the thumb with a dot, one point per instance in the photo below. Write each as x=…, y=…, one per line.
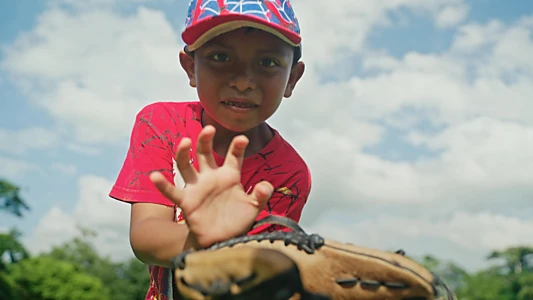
x=262, y=193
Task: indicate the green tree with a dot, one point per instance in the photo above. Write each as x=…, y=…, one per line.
x=11, y=251
x=10, y=200
x=516, y=259
x=517, y=266
x=450, y=273
x=135, y=274
x=488, y=284
x=525, y=281
x=7, y=286
x=512, y=280
x=124, y=280
x=46, y=278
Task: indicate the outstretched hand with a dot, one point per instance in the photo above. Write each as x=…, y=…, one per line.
x=213, y=202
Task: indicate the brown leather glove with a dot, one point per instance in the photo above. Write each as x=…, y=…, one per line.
x=295, y=265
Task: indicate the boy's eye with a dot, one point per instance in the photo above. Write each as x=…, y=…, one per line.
x=220, y=57
x=267, y=62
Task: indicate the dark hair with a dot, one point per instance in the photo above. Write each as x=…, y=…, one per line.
x=297, y=55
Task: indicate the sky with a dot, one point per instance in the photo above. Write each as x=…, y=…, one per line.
x=415, y=117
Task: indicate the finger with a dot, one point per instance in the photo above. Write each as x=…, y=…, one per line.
x=261, y=194
x=166, y=188
x=236, y=151
x=204, y=148
x=183, y=161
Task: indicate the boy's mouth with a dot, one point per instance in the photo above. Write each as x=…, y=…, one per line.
x=239, y=104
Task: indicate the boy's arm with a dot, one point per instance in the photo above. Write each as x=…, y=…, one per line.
x=154, y=237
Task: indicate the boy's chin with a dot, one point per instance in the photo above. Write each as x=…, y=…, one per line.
x=239, y=128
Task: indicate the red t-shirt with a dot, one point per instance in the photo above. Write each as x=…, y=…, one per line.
x=156, y=134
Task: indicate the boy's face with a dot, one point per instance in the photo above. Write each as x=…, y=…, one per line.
x=242, y=76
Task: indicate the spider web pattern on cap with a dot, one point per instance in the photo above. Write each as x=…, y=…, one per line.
x=278, y=12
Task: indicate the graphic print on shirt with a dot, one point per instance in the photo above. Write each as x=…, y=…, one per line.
x=281, y=193
x=179, y=182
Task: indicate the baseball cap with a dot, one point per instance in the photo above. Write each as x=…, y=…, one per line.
x=207, y=19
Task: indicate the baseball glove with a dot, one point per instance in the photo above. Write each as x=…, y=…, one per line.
x=295, y=265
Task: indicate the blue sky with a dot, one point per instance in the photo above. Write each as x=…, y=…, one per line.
x=390, y=152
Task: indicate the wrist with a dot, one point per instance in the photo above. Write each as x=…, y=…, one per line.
x=191, y=243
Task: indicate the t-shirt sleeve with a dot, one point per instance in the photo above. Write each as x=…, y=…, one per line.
x=151, y=149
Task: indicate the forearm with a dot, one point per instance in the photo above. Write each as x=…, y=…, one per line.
x=156, y=241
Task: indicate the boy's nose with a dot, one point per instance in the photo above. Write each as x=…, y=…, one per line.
x=242, y=79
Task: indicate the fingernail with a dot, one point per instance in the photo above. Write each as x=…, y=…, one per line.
x=266, y=189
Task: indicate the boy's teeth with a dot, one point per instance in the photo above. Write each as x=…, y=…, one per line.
x=238, y=104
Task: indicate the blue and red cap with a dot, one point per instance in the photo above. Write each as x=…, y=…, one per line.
x=207, y=19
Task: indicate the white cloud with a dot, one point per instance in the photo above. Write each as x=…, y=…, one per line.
x=478, y=160
x=11, y=167
x=23, y=140
x=128, y=63
x=83, y=5
x=64, y=168
x=464, y=238
x=93, y=70
x=486, y=153
x=471, y=37
x=78, y=148
x=460, y=106
x=451, y=15
x=95, y=210
x=350, y=23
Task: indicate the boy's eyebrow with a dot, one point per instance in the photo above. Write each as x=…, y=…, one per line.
x=218, y=44
x=271, y=50
x=276, y=51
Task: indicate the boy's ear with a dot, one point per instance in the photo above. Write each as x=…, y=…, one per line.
x=187, y=63
x=297, y=72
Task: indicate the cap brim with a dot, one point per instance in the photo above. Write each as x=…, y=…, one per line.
x=204, y=31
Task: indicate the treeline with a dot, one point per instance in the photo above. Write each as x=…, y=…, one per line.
x=510, y=277
x=70, y=271
x=75, y=270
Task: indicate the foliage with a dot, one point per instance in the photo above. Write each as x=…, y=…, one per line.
x=453, y=275
x=73, y=270
x=10, y=200
x=44, y=277
x=124, y=280
x=11, y=249
x=512, y=280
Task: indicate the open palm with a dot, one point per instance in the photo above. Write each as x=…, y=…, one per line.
x=213, y=202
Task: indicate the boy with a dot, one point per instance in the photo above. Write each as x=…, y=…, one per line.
x=231, y=167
